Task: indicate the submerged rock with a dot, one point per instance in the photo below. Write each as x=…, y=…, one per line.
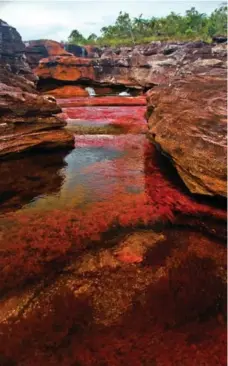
x=27, y=119
x=187, y=120
x=168, y=307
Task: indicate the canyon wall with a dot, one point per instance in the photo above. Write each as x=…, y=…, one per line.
x=137, y=67
x=186, y=105
x=27, y=119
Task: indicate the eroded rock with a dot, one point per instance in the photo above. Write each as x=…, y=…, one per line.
x=187, y=120
x=27, y=119
x=141, y=66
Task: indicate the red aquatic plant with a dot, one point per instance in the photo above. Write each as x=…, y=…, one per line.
x=35, y=243
x=191, y=291
x=103, y=101
x=46, y=325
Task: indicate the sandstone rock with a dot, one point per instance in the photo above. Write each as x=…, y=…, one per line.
x=36, y=50
x=65, y=68
x=187, y=120
x=68, y=91
x=141, y=66
x=27, y=119
x=41, y=140
x=92, y=51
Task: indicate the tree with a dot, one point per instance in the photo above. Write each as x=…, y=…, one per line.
x=195, y=20
x=127, y=31
x=92, y=37
x=76, y=37
x=218, y=21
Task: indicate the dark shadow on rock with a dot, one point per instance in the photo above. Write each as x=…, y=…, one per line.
x=28, y=176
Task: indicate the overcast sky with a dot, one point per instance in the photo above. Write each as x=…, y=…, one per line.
x=56, y=19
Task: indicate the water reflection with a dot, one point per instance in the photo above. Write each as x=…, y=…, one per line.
x=29, y=176
x=97, y=169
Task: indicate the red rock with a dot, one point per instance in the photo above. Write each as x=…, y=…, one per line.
x=36, y=50
x=41, y=140
x=68, y=91
x=141, y=66
x=103, y=90
x=27, y=119
x=93, y=51
x=65, y=68
x=187, y=119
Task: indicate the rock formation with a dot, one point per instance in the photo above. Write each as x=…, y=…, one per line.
x=190, y=76
x=27, y=119
x=139, y=66
x=36, y=50
x=187, y=120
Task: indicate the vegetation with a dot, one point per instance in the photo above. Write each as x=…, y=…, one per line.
x=127, y=31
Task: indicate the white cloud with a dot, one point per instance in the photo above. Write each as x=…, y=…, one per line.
x=56, y=19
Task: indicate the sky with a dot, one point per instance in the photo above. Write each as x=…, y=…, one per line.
x=56, y=19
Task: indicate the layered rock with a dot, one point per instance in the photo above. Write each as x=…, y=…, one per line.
x=36, y=50
x=27, y=119
x=139, y=66
x=187, y=120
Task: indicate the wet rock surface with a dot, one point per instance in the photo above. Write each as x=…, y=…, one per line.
x=23, y=112
x=187, y=120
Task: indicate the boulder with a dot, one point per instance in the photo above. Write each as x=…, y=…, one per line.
x=187, y=120
x=27, y=119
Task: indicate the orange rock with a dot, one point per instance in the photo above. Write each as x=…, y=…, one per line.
x=54, y=48
x=68, y=91
x=66, y=68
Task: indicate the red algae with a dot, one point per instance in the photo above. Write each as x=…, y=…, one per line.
x=55, y=234
x=131, y=119
x=103, y=101
x=164, y=308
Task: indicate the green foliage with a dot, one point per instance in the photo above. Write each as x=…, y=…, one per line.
x=76, y=37
x=126, y=31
